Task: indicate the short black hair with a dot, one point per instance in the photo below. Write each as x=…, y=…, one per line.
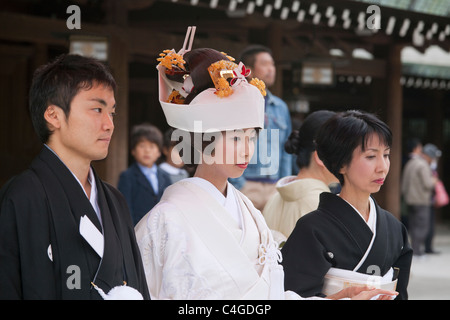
x=146, y=131
x=302, y=142
x=343, y=133
x=412, y=143
x=197, y=62
x=167, y=139
x=248, y=55
x=59, y=81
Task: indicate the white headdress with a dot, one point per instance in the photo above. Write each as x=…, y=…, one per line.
x=228, y=106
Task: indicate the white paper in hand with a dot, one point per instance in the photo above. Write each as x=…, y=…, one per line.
x=92, y=235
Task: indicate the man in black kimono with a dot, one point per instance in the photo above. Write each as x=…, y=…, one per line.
x=63, y=231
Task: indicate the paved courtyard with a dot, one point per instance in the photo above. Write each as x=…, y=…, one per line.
x=430, y=276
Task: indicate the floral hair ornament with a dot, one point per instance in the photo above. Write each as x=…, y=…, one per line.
x=222, y=70
x=202, y=99
x=176, y=76
x=241, y=73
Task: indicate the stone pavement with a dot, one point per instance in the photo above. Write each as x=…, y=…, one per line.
x=430, y=275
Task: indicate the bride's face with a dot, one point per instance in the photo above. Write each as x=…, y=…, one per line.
x=231, y=151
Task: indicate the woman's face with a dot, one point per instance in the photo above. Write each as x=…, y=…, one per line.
x=368, y=169
x=231, y=152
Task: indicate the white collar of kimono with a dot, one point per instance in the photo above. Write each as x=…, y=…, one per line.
x=93, y=199
x=372, y=221
x=229, y=202
x=171, y=169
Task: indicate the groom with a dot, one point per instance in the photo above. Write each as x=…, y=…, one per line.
x=64, y=233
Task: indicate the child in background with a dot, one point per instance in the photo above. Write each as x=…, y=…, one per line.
x=143, y=183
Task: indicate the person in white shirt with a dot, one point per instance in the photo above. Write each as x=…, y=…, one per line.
x=173, y=165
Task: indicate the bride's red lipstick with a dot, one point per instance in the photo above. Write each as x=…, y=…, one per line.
x=243, y=165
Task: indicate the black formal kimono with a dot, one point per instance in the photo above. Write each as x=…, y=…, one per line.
x=43, y=255
x=336, y=236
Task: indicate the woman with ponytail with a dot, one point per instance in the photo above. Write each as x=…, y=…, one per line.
x=298, y=195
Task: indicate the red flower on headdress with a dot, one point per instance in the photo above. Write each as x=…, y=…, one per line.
x=240, y=73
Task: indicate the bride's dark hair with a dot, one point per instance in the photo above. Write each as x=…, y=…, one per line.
x=197, y=63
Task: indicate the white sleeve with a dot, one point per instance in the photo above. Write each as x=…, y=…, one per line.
x=167, y=253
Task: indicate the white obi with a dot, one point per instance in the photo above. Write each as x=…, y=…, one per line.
x=337, y=279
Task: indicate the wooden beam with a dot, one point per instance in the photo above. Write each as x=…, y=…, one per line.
x=25, y=28
x=137, y=4
x=375, y=68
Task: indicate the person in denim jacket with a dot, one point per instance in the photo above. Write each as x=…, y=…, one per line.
x=270, y=161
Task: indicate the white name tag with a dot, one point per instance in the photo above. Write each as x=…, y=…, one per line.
x=91, y=234
x=50, y=252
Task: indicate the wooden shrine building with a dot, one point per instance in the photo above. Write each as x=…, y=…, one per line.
x=330, y=54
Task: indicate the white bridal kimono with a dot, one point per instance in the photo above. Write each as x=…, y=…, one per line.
x=198, y=244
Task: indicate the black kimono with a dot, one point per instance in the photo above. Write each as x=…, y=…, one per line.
x=336, y=236
x=43, y=255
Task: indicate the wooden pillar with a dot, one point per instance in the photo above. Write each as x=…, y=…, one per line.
x=435, y=118
x=394, y=120
x=388, y=98
x=18, y=142
x=435, y=135
x=40, y=56
x=117, y=159
x=275, y=43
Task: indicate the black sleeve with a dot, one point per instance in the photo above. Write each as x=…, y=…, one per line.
x=404, y=264
x=305, y=260
x=10, y=278
x=26, y=270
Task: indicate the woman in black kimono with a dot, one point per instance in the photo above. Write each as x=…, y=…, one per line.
x=349, y=239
